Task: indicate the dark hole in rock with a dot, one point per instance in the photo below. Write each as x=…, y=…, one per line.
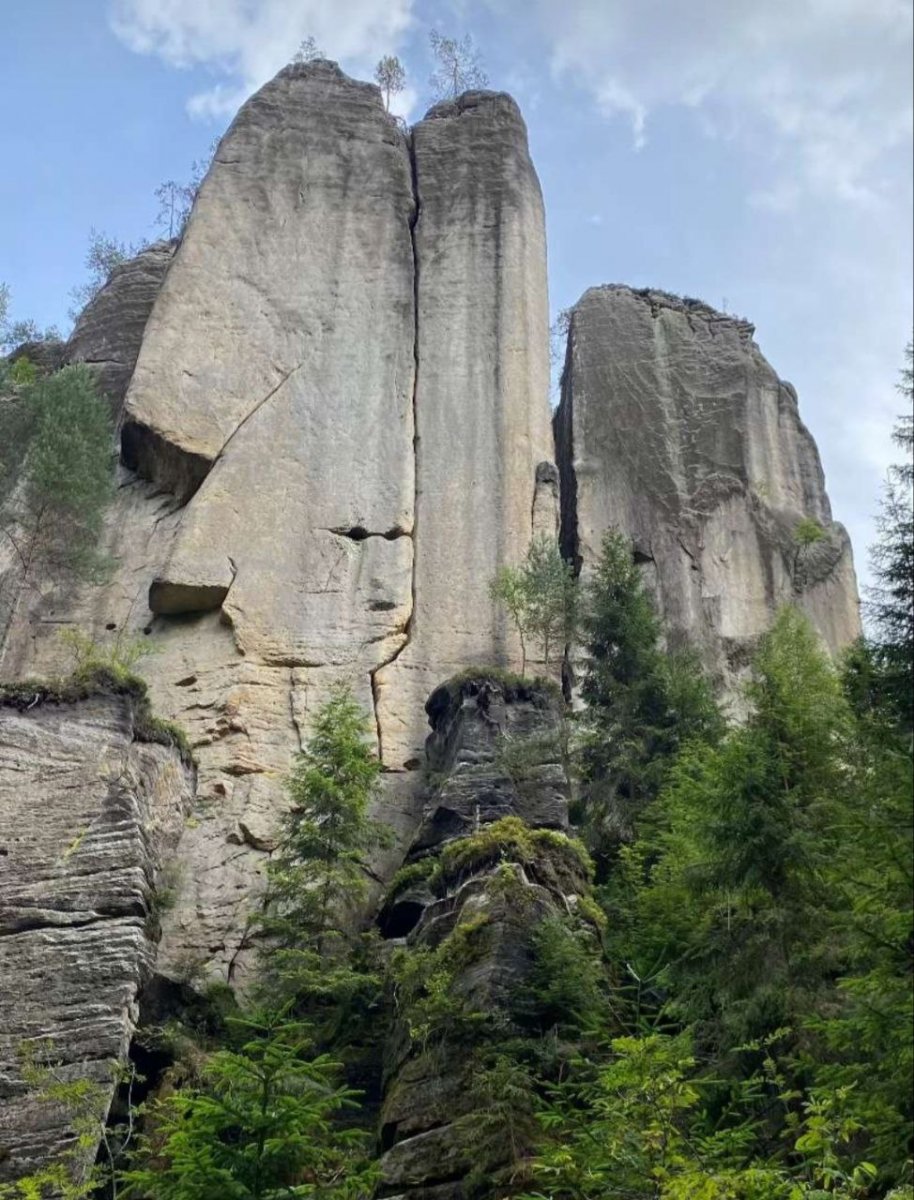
x=186, y=681
x=111, y=625
x=401, y=918
x=412, y=764
x=388, y=1135
x=147, y=629
x=381, y=605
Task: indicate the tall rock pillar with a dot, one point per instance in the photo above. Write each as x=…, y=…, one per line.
x=675, y=430
x=481, y=402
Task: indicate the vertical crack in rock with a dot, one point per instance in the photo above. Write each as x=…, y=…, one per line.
x=563, y=435
x=407, y=628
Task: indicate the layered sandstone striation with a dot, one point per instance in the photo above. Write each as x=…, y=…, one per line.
x=108, y=334
x=674, y=429
x=90, y=816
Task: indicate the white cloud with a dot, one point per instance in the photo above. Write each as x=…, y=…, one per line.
x=823, y=87
x=248, y=41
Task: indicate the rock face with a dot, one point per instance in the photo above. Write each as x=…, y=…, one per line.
x=479, y=891
x=674, y=429
x=109, y=331
x=331, y=442
x=89, y=817
x=482, y=421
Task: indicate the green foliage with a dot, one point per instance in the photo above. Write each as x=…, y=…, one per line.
x=390, y=76
x=891, y=598
x=457, y=67
x=769, y=894
x=636, y=1127
x=554, y=858
x=14, y=333
x=566, y=991
x=808, y=531
x=119, y=659
x=56, y=475
x=412, y=874
x=739, y=874
x=262, y=1125
x=540, y=597
x=103, y=255
x=643, y=704
x=88, y=1160
x=423, y=981
x=316, y=877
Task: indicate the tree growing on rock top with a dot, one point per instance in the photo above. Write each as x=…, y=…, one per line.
x=308, y=51
x=390, y=76
x=540, y=597
x=104, y=254
x=459, y=67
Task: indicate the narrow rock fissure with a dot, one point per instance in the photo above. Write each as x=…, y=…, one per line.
x=407, y=629
x=358, y=533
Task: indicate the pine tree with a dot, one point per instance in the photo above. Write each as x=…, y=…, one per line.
x=891, y=598
x=642, y=704
x=738, y=895
x=316, y=878
x=262, y=1125
x=56, y=476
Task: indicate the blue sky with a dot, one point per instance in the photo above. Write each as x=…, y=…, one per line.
x=754, y=153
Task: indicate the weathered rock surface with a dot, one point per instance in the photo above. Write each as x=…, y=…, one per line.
x=89, y=820
x=495, y=749
x=482, y=422
x=274, y=396
x=674, y=429
x=108, y=334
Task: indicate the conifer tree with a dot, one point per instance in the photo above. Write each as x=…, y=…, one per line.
x=891, y=598
x=56, y=476
x=739, y=893
x=642, y=704
x=316, y=878
x=263, y=1124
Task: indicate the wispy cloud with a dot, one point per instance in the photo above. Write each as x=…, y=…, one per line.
x=245, y=42
x=821, y=86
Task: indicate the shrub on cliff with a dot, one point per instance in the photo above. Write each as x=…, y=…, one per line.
x=540, y=597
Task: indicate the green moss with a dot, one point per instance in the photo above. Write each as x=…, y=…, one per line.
x=555, y=858
x=591, y=912
x=413, y=873
x=92, y=680
x=514, y=686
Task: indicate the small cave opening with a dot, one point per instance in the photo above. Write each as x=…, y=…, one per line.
x=401, y=918
x=147, y=1062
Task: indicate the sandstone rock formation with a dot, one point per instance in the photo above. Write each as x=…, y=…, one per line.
x=495, y=748
x=90, y=814
x=109, y=331
x=482, y=420
x=674, y=429
x=332, y=440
